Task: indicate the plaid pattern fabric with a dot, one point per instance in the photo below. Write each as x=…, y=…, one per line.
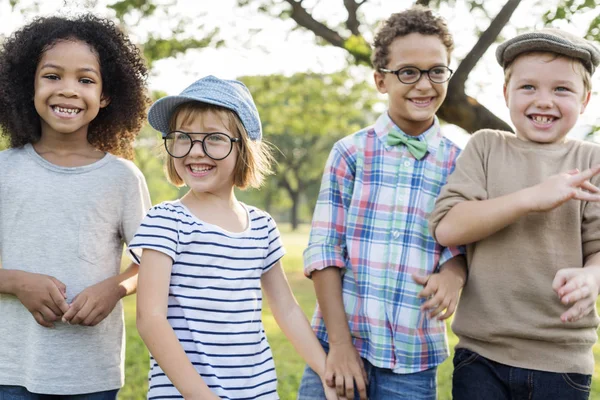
x=371, y=220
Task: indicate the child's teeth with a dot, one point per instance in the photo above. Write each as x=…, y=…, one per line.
x=542, y=120
x=199, y=169
x=67, y=110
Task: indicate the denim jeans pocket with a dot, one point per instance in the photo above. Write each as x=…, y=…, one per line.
x=15, y=393
x=579, y=382
x=463, y=357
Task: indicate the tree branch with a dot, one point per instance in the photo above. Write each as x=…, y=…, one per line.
x=304, y=19
x=466, y=112
x=352, y=22
x=485, y=41
x=423, y=3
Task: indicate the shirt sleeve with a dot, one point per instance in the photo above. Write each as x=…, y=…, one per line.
x=275, y=248
x=158, y=231
x=590, y=227
x=467, y=182
x=136, y=202
x=326, y=245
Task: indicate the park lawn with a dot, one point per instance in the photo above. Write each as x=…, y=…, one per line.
x=288, y=363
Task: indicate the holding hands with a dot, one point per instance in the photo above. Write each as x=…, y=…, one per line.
x=345, y=371
x=560, y=188
x=442, y=289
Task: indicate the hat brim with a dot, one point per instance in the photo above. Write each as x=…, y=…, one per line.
x=161, y=111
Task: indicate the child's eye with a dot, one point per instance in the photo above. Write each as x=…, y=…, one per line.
x=87, y=81
x=527, y=87
x=409, y=71
x=216, y=138
x=51, y=77
x=563, y=89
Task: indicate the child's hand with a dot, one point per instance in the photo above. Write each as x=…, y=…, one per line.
x=93, y=304
x=576, y=286
x=442, y=290
x=331, y=393
x=345, y=371
x=560, y=188
x=44, y=296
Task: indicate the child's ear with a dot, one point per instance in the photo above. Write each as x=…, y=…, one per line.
x=104, y=101
x=586, y=100
x=505, y=92
x=380, y=82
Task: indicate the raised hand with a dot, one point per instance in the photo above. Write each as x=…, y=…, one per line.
x=93, y=304
x=345, y=371
x=561, y=188
x=44, y=296
x=577, y=287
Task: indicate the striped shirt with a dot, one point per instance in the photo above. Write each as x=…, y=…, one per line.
x=215, y=299
x=371, y=220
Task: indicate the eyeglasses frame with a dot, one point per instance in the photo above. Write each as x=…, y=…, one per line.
x=193, y=142
x=421, y=72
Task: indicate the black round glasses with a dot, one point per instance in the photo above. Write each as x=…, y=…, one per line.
x=410, y=75
x=216, y=145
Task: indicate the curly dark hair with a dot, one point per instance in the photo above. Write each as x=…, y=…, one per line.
x=123, y=70
x=417, y=19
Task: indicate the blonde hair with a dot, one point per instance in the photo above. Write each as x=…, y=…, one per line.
x=577, y=65
x=254, y=158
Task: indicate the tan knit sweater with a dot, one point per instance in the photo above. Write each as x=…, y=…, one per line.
x=508, y=311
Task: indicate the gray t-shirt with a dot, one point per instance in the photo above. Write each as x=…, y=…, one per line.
x=69, y=223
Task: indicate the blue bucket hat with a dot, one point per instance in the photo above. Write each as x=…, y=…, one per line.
x=230, y=94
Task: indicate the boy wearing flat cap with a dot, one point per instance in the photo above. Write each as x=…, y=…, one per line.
x=526, y=206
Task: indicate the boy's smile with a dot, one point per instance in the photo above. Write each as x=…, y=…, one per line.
x=545, y=95
x=412, y=106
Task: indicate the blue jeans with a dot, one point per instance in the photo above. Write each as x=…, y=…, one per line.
x=383, y=384
x=20, y=393
x=476, y=377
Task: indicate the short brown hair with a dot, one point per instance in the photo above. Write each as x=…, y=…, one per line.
x=254, y=158
x=577, y=65
x=417, y=19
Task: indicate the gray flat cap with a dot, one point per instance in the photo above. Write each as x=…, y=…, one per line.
x=550, y=40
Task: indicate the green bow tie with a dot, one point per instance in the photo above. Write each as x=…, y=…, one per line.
x=416, y=147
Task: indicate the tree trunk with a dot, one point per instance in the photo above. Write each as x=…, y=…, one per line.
x=295, y=197
x=466, y=112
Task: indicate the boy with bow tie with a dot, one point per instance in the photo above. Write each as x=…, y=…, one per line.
x=379, y=276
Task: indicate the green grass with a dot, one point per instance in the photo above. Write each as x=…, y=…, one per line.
x=288, y=363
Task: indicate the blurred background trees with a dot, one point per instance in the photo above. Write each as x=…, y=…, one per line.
x=305, y=113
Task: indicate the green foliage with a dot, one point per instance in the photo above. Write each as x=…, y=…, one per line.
x=145, y=7
x=303, y=116
x=358, y=47
x=149, y=157
x=566, y=10
x=156, y=48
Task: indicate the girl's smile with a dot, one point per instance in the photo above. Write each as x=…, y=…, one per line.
x=68, y=88
x=201, y=173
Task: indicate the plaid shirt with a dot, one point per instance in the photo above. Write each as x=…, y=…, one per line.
x=371, y=220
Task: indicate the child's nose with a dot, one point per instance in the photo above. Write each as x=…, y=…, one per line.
x=423, y=82
x=197, y=149
x=544, y=101
x=68, y=90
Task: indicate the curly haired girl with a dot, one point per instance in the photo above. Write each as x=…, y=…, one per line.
x=72, y=99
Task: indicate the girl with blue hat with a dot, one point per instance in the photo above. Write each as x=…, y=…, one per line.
x=206, y=257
